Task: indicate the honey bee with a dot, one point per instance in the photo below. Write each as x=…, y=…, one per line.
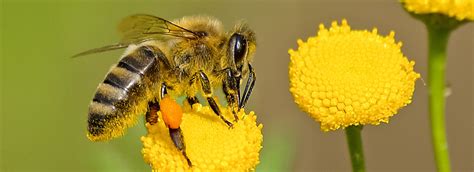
x=190, y=55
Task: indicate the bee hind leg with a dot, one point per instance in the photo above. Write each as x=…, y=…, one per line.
x=206, y=88
x=175, y=133
x=151, y=115
x=178, y=140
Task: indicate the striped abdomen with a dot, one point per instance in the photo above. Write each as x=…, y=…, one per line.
x=111, y=110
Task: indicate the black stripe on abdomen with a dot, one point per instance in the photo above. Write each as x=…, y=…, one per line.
x=109, y=94
x=122, y=78
x=129, y=67
x=137, y=63
x=114, y=80
x=100, y=98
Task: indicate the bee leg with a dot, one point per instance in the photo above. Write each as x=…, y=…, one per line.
x=231, y=90
x=192, y=100
x=206, y=88
x=151, y=116
x=175, y=133
x=163, y=90
x=248, y=87
x=178, y=140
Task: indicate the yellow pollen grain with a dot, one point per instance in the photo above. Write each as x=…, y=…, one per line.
x=210, y=144
x=344, y=77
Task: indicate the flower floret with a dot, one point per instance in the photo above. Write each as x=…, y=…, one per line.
x=459, y=9
x=346, y=77
x=210, y=144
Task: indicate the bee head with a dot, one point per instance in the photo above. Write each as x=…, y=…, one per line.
x=241, y=48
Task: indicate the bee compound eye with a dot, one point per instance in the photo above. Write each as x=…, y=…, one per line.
x=239, y=47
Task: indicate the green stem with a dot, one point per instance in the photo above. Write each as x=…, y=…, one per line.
x=354, y=141
x=438, y=39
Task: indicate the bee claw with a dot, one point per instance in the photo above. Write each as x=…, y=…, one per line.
x=187, y=159
x=236, y=118
x=229, y=124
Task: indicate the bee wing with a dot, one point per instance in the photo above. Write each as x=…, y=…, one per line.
x=142, y=27
x=102, y=49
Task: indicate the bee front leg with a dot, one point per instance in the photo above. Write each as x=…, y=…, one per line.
x=248, y=87
x=231, y=88
x=206, y=88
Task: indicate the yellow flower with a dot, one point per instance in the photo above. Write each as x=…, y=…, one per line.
x=210, y=144
x=459, y=9
x=345, y=77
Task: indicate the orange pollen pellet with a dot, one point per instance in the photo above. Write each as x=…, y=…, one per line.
x=171, y=111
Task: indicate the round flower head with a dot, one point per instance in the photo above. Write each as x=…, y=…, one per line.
x=459, y=9
x=210, y=144
x=344, y=77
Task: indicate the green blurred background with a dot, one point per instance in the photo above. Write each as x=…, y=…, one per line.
x=45, y=94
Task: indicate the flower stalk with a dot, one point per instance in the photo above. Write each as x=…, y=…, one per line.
x=440, y=19
x=438, y=39
x=354, y=141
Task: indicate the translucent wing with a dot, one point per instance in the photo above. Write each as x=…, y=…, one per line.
x=102, y=49
x=142, y=27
